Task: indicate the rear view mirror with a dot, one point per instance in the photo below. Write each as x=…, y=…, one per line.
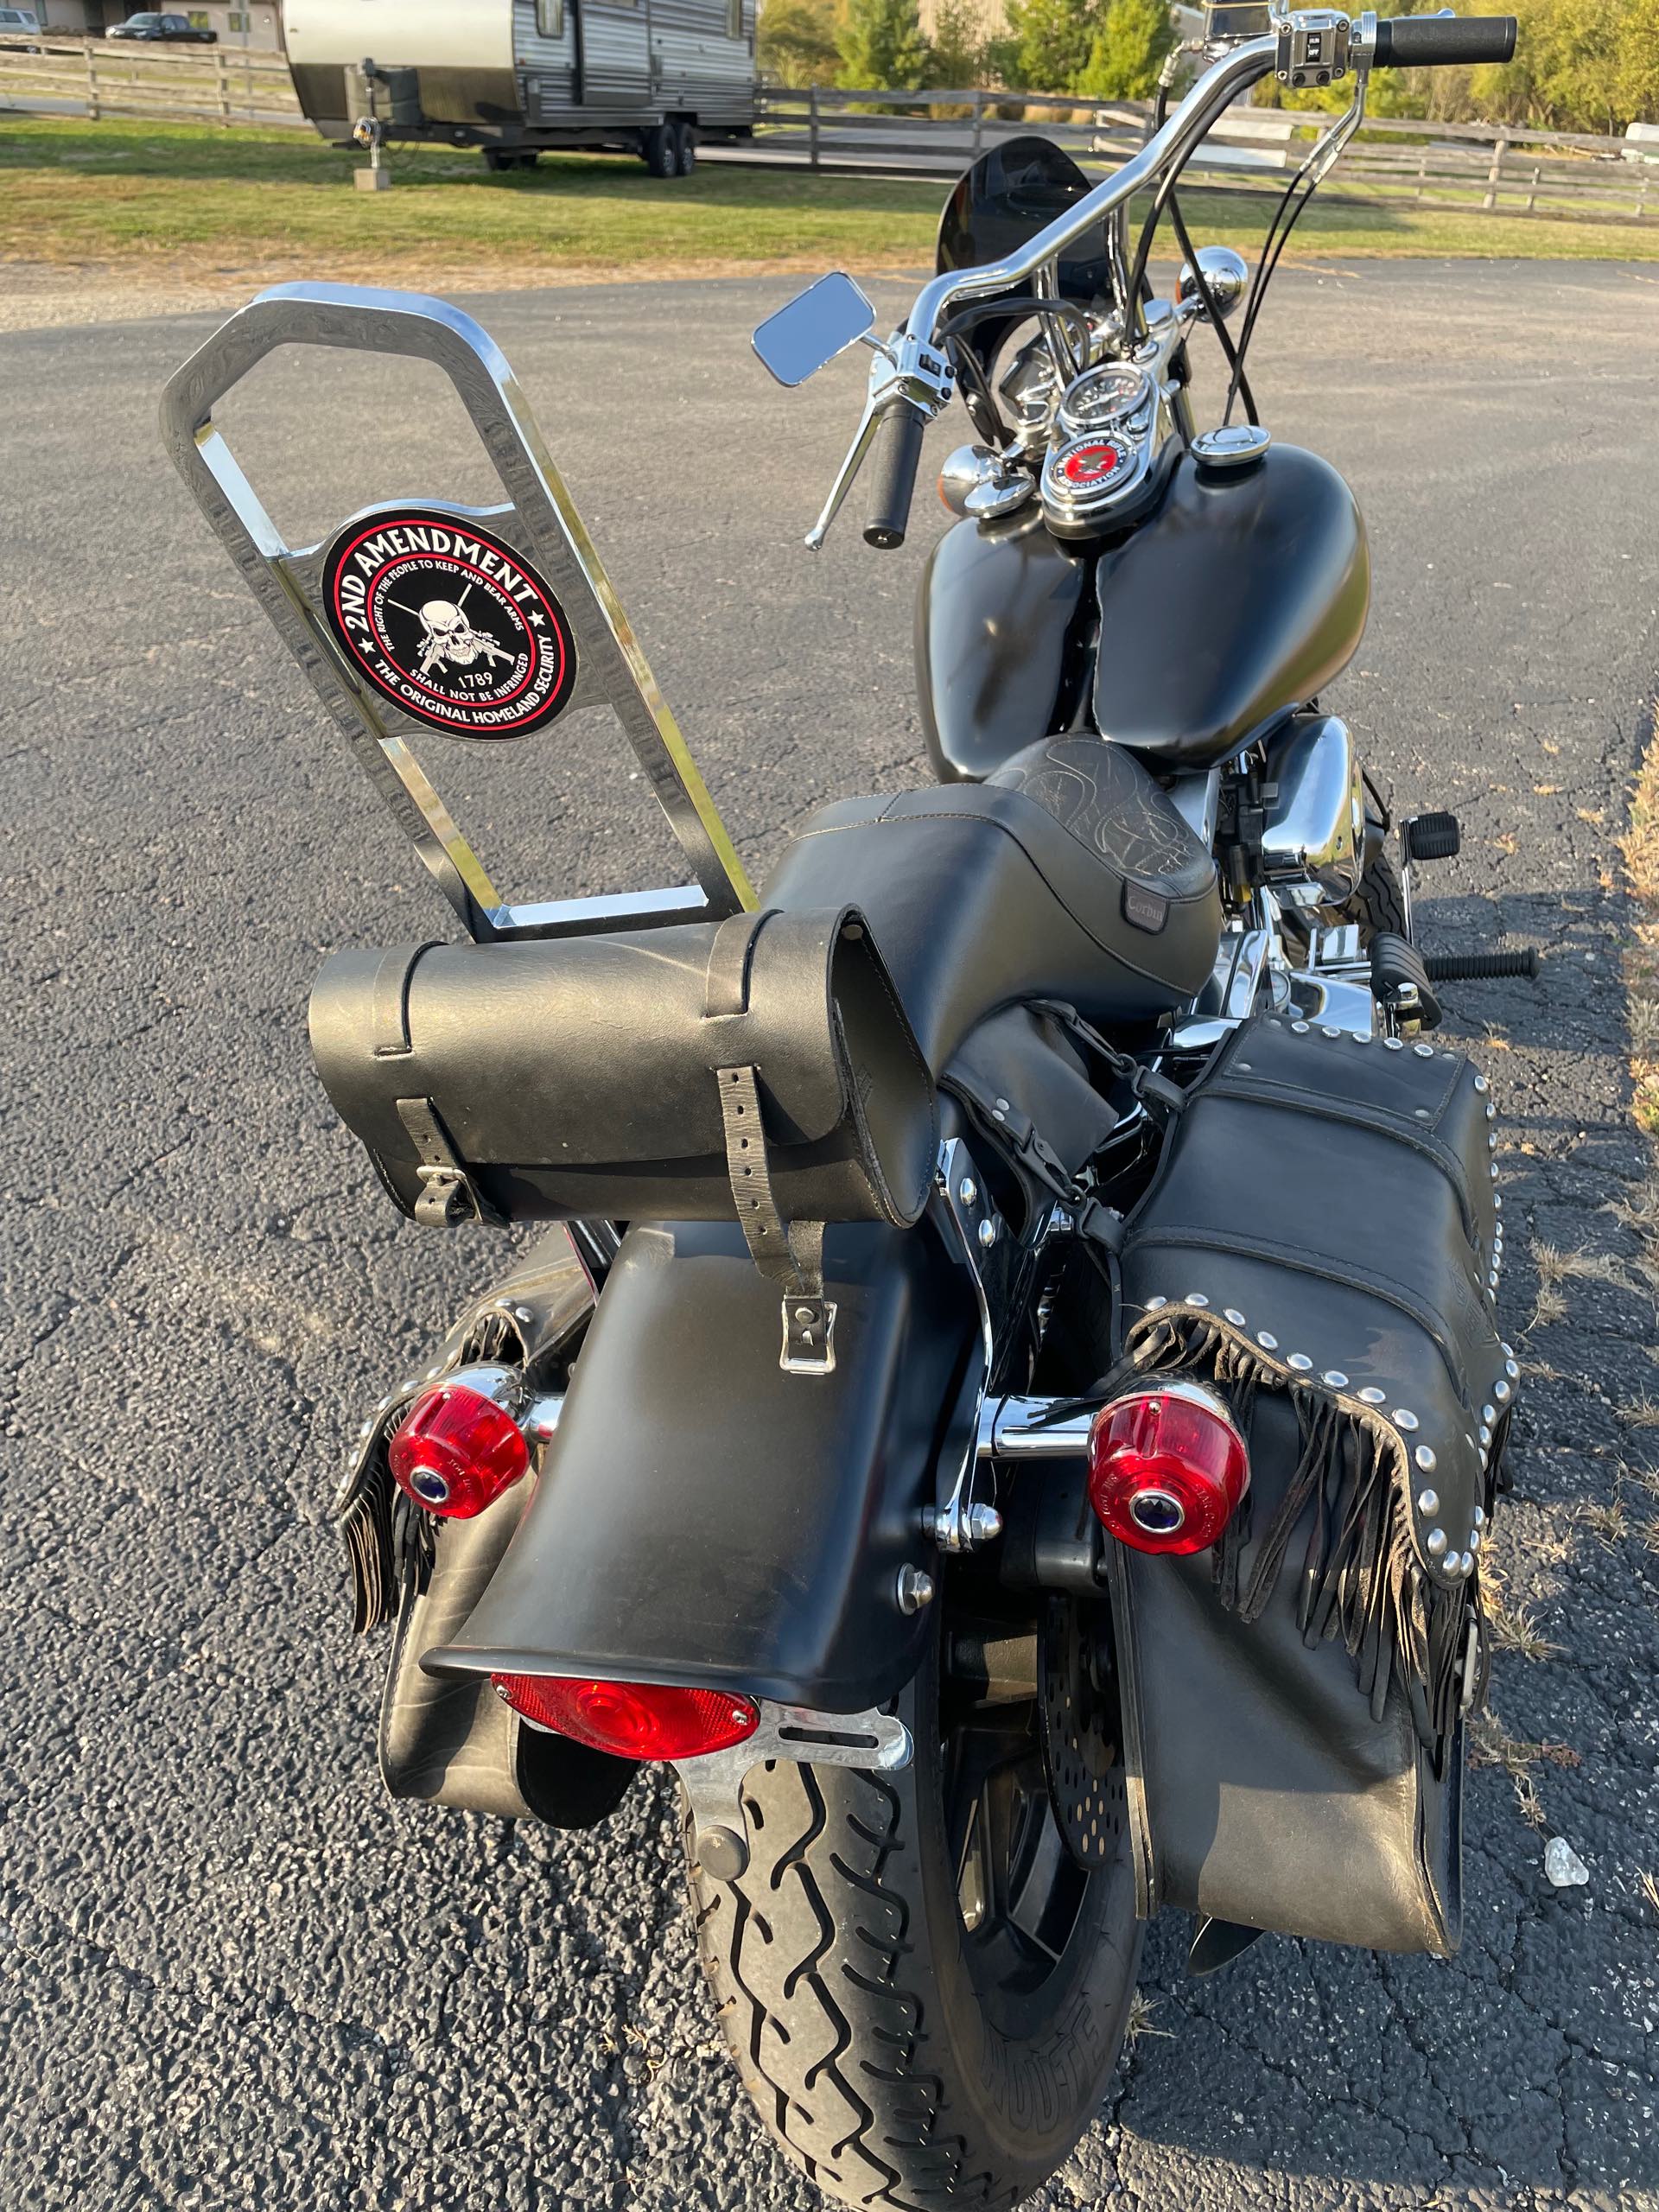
x=823, y=320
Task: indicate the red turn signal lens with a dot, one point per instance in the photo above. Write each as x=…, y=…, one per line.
x=1167, y=1469
x=456, y=1452
x=634, y=1720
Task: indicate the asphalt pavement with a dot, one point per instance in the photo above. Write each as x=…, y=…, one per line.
x=234, y=1974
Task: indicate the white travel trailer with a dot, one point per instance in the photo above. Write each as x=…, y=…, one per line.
x=650, y=77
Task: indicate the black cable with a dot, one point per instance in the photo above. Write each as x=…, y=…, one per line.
x=1165, y=188
x=970, y=371
x=1272, y=246
x=1190, y=254
x=1020, y=306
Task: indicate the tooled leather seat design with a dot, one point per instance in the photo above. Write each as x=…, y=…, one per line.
x=1068, y=874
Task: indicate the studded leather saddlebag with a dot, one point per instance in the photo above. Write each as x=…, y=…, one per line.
x=1321, y=1245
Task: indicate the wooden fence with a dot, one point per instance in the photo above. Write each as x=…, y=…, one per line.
x=98, y=77
x=1474, y=167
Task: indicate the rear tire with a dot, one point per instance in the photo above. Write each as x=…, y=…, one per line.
x=685, y=148
x=898, y=2058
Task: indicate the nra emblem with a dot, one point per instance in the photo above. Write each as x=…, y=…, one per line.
x=449, y=623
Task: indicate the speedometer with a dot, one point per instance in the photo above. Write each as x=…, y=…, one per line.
x=1109, y=394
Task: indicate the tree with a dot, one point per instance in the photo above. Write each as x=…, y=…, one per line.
x=959, y=49
x=881, y=46
x=1131, y=40
x=797, y=42
x=1049, y=42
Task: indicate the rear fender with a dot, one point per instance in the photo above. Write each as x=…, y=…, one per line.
x=704, y=1517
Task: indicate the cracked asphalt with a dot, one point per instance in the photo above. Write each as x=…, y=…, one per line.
x=234, y=1974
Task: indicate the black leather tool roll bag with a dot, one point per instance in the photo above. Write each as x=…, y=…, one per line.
x=644, y=1074
x=1321, y=1245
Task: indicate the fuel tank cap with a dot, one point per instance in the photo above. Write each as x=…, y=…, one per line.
x=1235, y=445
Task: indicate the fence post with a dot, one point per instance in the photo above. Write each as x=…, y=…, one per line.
x=92, y=85
x=1494, y=174
x=223, y=73
x=812, y=126
x=979, y=120
x=1532, y=197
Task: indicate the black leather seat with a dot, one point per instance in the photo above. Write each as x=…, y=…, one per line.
x=1068, y=875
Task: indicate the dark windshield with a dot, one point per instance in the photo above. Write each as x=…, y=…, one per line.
x=1008, y=195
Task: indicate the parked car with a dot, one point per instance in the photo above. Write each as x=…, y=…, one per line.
x=174, y=30
x=20, y=24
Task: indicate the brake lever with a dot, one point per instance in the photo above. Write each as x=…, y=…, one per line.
x=849, y=468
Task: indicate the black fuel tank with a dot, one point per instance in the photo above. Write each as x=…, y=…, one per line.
x=1242, y=597
x=996, y=622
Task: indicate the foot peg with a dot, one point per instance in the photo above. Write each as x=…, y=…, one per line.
x=1480, y=967
x=1431, y=837
x=1399, y=982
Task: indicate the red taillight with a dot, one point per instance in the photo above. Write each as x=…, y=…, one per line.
x=635, y=1720
x=1167, y=1469
x=457, y=1451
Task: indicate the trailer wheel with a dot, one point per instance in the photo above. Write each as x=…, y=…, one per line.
x=659, y=150
x=685, y=148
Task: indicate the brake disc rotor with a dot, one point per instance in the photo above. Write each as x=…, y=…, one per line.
x=1079, y=1705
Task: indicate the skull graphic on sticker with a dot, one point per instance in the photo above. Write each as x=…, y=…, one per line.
x=447, y=622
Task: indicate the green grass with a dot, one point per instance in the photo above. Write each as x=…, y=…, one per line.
x=187, y=199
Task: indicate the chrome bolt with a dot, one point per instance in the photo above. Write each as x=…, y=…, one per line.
x=1394, y=1044
x=1474, y=1542
x=1489, y=1414
x=1404, y=1418
x=1197, y=1298
x=1370, y=1395
x=1301, y=1362
x=1480, y=1516
x=1500, y=1392
x=982, y=1524
x=988, y=1234
x=1425, y=1459
x=1231, y=1313
x=967, y=1189
x=1268, y=1341
x=1424, y=1051
x=1485, y=1438
x=914, y=1589
x=1157, y=1305
x=1481, y=1084
x=1435, y=1542
x=1428, y=1501
x=1335, y=1377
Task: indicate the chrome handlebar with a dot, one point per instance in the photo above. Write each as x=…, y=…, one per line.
x=913, y=367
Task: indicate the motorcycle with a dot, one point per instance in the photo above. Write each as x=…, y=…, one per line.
x=1012, y=1406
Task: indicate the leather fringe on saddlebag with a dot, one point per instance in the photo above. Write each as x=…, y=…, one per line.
x=759, y=1068
x=1321, y=1244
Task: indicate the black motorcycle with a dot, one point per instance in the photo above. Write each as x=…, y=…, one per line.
x=1013, y=1405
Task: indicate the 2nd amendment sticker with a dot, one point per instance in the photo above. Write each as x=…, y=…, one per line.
x=449, y=623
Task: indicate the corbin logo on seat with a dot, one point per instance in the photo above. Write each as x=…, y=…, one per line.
x=452, y=627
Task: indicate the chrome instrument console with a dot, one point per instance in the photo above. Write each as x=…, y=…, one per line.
x=1111, y=430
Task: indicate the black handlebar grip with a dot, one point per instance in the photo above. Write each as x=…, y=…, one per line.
x=1443, y=41
x=895, y=457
